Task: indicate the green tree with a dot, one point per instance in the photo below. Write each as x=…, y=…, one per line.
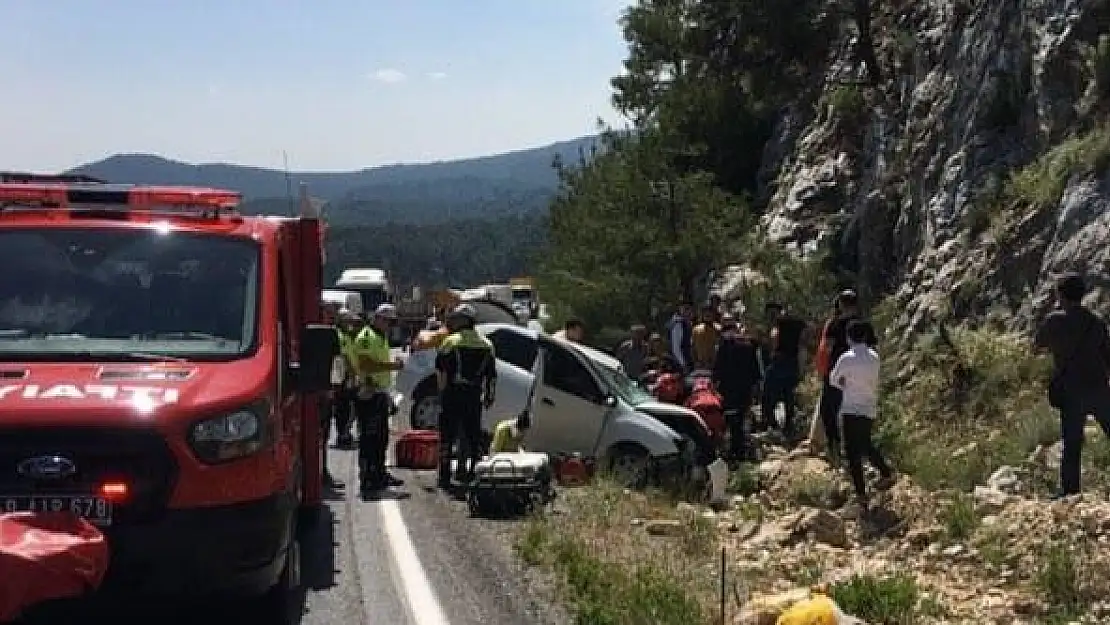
x=713, y=74
x=462, y=253
x=630, y=235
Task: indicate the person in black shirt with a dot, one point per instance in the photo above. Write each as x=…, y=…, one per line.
x=836, y=335
x=1080, y=346
x=783, y=371
x=736, y=374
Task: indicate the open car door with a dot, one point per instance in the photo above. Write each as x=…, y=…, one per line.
x=517, y=372
x=570, y=412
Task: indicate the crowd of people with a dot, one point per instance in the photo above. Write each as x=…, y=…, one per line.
x=760, y=363
x=756, y=366
x=361, y=394
x=757, y=363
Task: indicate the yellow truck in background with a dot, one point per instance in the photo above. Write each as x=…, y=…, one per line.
x=525, y=301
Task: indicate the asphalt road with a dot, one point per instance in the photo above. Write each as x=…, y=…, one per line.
x=412, y=556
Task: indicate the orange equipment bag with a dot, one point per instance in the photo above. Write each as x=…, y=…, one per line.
x=824, y=352
x=418, y=449
x=47, y=556
x=572, y=471
x=708, y=403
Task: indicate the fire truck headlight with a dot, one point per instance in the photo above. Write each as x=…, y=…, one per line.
x=227, y=437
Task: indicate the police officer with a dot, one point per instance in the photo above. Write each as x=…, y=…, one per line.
x=372, y=401
x=350, y=324
x=467, y=375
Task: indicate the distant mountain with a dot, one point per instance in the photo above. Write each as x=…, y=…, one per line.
x=511, y=184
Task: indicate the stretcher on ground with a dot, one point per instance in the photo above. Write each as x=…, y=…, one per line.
x=510, y=484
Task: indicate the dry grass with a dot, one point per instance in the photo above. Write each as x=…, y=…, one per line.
x=1002, y=202
x=615, y=572
x=1041, y=183
x=960, y=404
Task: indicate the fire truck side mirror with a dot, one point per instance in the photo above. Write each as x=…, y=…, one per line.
x=319, y=347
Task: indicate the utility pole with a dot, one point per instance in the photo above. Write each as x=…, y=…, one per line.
x=288, y=183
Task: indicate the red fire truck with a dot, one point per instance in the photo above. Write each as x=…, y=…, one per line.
x=160, y=357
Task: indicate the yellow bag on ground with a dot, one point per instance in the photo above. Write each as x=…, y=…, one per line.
x=817, y=610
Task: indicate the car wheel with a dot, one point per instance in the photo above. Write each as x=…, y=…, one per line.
x=425, y=413
x=629, y=465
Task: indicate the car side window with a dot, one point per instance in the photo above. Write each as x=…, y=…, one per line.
x=562, y=371
x=514, y=348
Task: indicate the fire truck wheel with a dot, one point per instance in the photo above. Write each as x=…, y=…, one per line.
x=309, y=516
x=284, y=603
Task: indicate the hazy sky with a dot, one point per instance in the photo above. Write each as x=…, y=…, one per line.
x=338, y=84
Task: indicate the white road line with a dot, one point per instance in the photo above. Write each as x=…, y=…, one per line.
x=421, y=599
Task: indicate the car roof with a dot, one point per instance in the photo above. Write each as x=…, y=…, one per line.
x=487, y=328
x=595, y=355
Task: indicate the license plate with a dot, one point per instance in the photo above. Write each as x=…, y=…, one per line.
x=96, y=509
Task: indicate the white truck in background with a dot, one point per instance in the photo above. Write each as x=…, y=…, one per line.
x=500, y=293
x=345, y=300
x=523, y=293
x=370, y=283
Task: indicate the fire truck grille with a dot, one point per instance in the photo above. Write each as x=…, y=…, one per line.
x=91, y=457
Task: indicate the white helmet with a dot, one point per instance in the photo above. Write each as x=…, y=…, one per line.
x=464, y=311
x=387, y=311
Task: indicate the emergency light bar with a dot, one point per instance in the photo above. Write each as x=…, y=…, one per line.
x=93, y=196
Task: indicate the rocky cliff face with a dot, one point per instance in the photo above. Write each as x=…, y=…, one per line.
x=972, y=172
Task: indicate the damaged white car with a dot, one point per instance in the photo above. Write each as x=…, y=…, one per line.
x=581, y=402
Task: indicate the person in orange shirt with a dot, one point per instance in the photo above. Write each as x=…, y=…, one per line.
x=706, y=335
x=432, y=336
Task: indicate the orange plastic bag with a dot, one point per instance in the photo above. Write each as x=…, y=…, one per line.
x=668, y=388
x=45, y=556
x=709, y=405
x=824, y=352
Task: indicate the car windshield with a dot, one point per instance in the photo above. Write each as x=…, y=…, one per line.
x=619, y=383
x=126, y=294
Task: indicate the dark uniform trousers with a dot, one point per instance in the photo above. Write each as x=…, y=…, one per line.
x=461, y=423
x=373, y=426
x=325, y=407
x=343, y=409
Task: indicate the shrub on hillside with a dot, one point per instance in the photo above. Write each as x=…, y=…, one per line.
x=960, y=403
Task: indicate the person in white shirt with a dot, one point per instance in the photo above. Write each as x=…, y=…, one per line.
x=856, y=374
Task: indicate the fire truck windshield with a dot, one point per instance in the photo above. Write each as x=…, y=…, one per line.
x=126, y=294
